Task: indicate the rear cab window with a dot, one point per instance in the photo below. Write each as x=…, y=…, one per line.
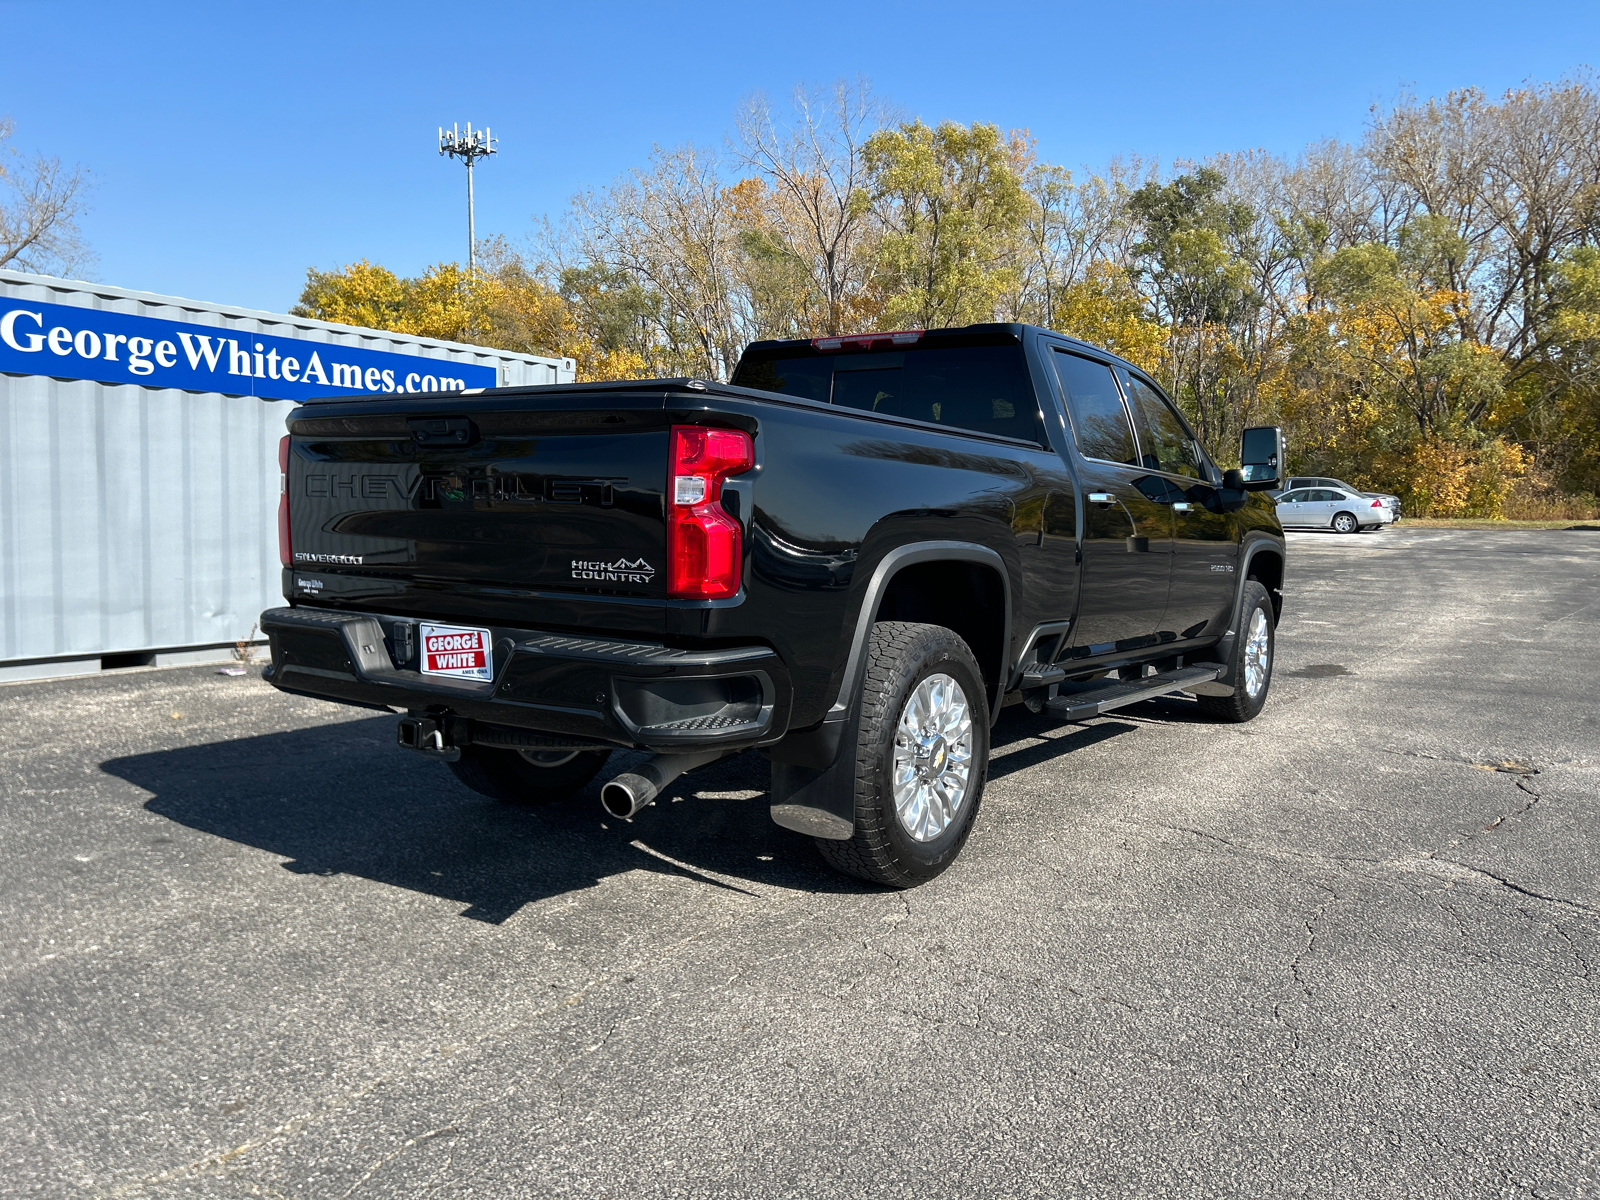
x=968, y=381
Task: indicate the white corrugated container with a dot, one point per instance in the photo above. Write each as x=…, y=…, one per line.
x=139, y=520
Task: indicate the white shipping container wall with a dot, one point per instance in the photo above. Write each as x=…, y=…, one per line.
x=133, y=518
x=138, y=518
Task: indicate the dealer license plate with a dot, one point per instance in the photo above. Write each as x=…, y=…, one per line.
x=457, y=651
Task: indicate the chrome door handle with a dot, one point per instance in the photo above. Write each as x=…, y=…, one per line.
x=1181, y=506
x=1101, y=498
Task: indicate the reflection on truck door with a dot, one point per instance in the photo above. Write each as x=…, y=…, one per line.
x=1204, y=547
x=1127, y=536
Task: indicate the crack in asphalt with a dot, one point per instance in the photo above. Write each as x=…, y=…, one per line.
x=1572, y=946
x=1271, y=853
x=1576, y=905
x=410, y=1143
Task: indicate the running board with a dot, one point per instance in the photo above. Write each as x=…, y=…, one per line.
x=1085, y=700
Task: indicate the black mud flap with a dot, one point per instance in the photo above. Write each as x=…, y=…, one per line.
x=814, y=782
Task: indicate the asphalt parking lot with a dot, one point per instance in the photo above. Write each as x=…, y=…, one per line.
x=1346, y=950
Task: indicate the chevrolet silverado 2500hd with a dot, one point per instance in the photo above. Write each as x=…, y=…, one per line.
x=850, y=557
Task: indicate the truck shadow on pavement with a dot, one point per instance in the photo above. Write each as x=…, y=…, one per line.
x=341, y=799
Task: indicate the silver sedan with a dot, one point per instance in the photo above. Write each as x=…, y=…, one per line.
x=1332, y=508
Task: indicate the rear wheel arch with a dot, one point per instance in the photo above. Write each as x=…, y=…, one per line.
x=877, y=586
x=962, y=595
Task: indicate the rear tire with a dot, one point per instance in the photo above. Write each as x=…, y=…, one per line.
x=922, y=702
x=1346, y=523
x=1254, y=651
x=517, y=777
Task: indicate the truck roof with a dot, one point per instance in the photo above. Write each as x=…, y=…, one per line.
x=983, y=333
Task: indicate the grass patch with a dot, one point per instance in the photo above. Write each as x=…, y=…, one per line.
x=1484, y=523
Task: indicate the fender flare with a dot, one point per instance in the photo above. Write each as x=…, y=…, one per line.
x=1254, y=543
x=813, y=790
x=883, y=573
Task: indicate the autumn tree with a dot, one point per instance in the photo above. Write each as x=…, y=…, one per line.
x=672, y=228
x=951, y=203
x=1199, y=288
x=810, y=229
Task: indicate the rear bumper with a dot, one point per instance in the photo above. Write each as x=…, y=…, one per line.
x=625, y=693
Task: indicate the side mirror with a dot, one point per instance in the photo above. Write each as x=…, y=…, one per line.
x=1263, y=457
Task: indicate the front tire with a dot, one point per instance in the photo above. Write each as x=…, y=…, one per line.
x=921, y=756
x=527, y=777
x=1253, y=654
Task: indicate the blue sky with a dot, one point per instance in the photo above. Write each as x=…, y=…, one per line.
x=235, y=145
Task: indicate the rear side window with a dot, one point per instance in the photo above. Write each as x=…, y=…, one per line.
x=983, y=388
x=1099, y=422
x=1167, y=444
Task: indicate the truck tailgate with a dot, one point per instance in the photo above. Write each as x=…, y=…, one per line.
x=530, y=498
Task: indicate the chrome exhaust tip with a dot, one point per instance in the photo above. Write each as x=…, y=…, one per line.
x=626, y=795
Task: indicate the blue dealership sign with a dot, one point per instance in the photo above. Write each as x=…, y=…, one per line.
x=68, y=342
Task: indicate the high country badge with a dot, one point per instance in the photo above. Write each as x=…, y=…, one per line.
x=624, y=570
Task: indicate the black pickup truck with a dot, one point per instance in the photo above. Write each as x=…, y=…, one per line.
x=851, y=557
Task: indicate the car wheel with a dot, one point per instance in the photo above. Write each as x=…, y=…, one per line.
x=1252, y=661
x=527, y=776
x=1345, y=523
x=921, y=756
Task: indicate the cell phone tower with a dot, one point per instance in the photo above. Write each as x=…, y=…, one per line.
x=468, y=147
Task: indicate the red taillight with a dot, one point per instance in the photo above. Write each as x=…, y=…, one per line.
x=703, y=541
x=863, y=341
x=284, y=555
x=1377, y=504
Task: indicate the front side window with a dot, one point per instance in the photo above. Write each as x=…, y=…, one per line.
x=1099, y=421
x=1291, y=498
x=1167, y=444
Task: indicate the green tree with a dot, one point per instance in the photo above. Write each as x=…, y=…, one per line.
x=951, y=204
x=1199, y=288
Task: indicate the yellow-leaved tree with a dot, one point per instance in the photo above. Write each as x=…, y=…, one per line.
x=951, y=206
x=1105, y=309
x=505, y=305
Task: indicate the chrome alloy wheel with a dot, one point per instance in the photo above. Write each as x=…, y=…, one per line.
x=932, y=757
x=1257, y=654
